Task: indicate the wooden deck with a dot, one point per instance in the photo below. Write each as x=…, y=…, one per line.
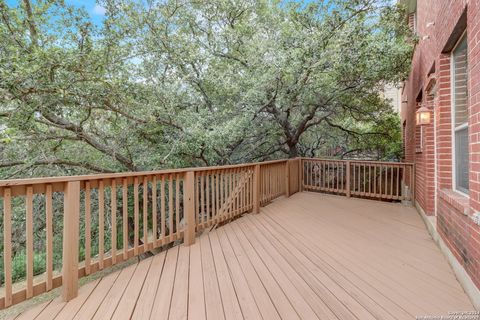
x=310, y=256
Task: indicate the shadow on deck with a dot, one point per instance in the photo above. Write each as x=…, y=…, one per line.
x=311, y=256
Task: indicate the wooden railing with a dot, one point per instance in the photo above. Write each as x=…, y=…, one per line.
x=97, y=221
x=132, y=213
x=222, y=194
x=107, y=219
x=364, y=179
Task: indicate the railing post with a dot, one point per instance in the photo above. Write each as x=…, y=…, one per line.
x=413, y=183
x=300, y=175
x=347, y=184
x=287, y=178
x=71, y=221
x=189, y=205
x=256, y=189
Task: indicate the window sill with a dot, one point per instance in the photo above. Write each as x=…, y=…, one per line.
x=456, y=199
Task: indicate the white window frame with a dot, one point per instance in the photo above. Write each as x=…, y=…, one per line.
x=453, y=111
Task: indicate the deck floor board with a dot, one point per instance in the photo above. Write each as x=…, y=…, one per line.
x=310, y=256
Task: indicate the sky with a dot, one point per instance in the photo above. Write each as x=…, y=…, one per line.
x=96, y=11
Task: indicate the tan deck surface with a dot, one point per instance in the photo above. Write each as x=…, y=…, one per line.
x=310, y=256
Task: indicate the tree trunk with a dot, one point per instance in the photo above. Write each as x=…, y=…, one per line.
x=292, y=151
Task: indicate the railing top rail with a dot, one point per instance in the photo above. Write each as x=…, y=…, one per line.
x=119, y=175
x=361, y=161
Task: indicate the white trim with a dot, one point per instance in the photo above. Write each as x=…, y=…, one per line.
x=452, y=118
x=452, y=113
x=461, y=127
x=462, y=193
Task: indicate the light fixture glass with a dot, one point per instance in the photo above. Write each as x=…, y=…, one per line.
x=423, y=116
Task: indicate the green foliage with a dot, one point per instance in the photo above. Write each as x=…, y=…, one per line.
x=171, y=84
x=187, y=83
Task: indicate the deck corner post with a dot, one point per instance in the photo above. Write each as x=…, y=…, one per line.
x=347, y=177
x=71, y=221
x=189, y=204
x=287, y=178
x=256, y=189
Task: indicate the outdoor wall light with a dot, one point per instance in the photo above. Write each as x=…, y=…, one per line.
x=423, y=116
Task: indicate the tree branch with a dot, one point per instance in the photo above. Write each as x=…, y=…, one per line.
x=56, y=162
x=80, y=132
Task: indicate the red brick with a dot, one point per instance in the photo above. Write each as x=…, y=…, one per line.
x=454, y=211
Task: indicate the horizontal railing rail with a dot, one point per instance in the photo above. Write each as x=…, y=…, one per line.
x=77, y=225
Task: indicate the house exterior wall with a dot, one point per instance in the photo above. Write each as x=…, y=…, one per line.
x=439, y=25
x=393, y=94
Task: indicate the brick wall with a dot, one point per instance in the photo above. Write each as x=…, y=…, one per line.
x=440, y=24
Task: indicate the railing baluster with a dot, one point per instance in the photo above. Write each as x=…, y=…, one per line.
x=329, y=182
x=311, y=176
x=337, y=184
x=237, y=202
x=217, y=194
x=163, y=213
x=222, y=187
x=381, y=181
x=250, y=189
x=154, y=212
x=242, y=178
x=228, y=188
x=354, y=181
x=101, y=223
x=256, y=189
x=113, y=219
x=347, y=187
x=177, y=206
x=364, y=179
x=359, y=180
x=7, y=244
x=301, y=174
x=145, y=213
x=269, y=183
x=287, y=178
x=397, y=183
x=49, y=235
x=207, y=194
x=369, y=180
x=214, y=205
x=88, y=232
x=386, y=181
x=202, y=199
x=391, y=181
x=125, y=218
x=136, y=217
x=29, y=240
x=170, y=207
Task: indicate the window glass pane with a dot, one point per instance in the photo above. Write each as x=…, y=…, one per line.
x=461, y=159
x=460, y=93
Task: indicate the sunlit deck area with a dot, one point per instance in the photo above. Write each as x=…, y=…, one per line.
x=309, y=256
